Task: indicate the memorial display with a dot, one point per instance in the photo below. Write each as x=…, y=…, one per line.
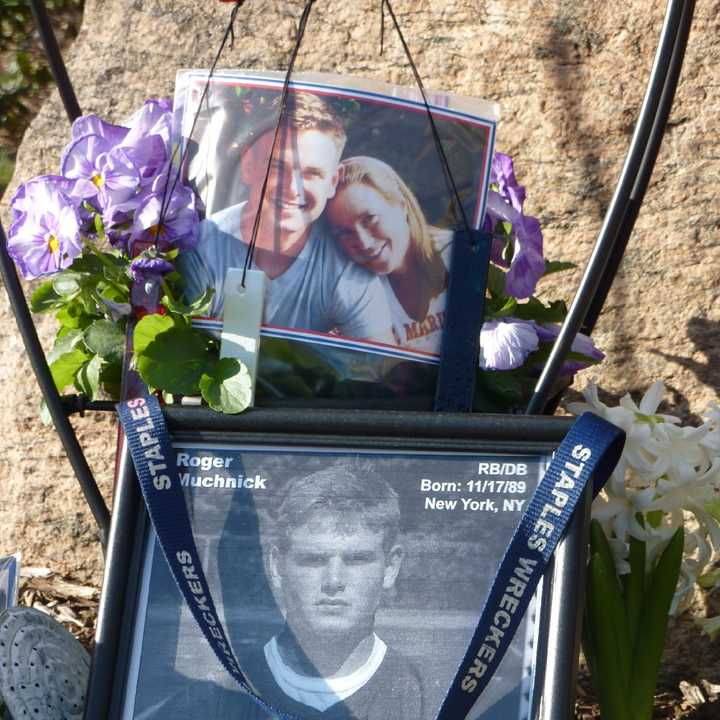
x=348, y=578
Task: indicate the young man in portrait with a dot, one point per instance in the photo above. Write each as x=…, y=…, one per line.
x=312, y=284
x=334, y=555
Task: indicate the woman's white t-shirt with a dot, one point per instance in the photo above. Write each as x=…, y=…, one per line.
x=425, y=334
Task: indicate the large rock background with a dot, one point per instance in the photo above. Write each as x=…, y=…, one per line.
x=569, y=76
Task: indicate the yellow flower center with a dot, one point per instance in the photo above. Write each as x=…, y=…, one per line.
x=156, y=231
x=53, y=244
x=97, y=180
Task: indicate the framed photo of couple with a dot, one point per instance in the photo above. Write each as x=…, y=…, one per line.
x=354, y=230
x=349, y=556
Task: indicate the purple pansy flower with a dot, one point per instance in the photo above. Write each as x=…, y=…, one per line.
x=527, y=265
x=147, y=273
x=109, y=176
x=180, y=221
x=582, y=344
x=45, y=235
x=506, y=343
x=502, y=174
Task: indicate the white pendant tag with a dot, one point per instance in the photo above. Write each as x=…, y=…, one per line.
x=242, y=318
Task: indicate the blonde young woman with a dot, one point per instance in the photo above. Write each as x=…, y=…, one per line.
x=377, y=220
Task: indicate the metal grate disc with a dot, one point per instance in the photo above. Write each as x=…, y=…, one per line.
x=43, y=668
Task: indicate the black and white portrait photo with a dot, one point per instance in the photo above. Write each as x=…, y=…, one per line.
x=349, y=584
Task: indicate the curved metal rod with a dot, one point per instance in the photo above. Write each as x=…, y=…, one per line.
x=617, y=211
x=647, y=166
x=52, y=398
x=55, y=61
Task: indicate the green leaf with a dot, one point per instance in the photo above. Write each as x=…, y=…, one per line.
x=105, y=339
x=87, y=380
x=651, y=632
x=45, y=298
x=228, y=387
x=508, y=308
x=607, y=594
x=534, y=309
x=175, y=361
x=148, y=329
x=67, y=284
x=655, y=518
x=113, y=292
x=610, y=681
x=634, y=589
x=512, y=386
x=554, y=266
x=496, y=282
x=74, y=315
x=87, y=263
x=198, y=307
x=99, y=227
x=64, y=343
x=713, y=507
x=64, y=369
x=111, y=379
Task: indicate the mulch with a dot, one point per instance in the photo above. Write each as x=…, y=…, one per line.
x=75, y=606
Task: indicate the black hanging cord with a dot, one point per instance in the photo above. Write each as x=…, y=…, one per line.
x=281, y=114
x=382, y=26
x=55, y=61
x=228, y=35
x=450, y=181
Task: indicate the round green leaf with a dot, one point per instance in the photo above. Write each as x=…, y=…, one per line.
x=148, y=329
x=175, y=360
x=105, y=339
x=228, y=388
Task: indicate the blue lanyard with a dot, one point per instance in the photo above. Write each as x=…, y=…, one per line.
x=590, y=450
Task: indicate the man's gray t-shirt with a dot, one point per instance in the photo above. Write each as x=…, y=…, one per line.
x=321, y=290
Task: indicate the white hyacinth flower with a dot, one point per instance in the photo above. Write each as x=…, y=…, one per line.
x=668, y=474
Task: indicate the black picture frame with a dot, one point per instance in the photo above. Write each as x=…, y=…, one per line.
x=561, y=599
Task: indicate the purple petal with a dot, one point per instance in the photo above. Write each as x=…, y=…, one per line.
x=93, y=125
x=502, y=174
x=582, y=344
x=145, y=267
x=149, y=156
x=154, y=118
x=528, y=264
x=505, y=344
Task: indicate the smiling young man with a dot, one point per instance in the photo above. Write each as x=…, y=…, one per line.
x=334, y=557
x=312, y=284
